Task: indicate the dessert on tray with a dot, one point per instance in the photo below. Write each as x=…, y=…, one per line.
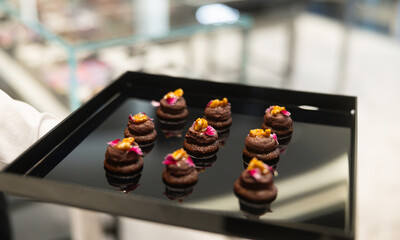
x=263, y=145
x=179, y=174
x=123, y=158
x=173, y=109
x=124, y=185
x=279, y=121
x=142, y=128
x=172, y=113
x=201, y=140
x=218, y=114
x=255, y=188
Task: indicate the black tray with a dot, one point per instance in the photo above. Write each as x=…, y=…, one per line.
x=316, y=188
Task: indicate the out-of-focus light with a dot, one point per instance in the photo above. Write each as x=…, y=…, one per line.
x=217, y=14
x=308, y=107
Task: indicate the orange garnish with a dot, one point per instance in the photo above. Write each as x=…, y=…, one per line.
x=260, y=132
x=219, y=103
x=175, y=94
x=178, y=92
x=200, y=125
x=277, y=109
x=179, y=154
x=140, y=117
x=125, y=144
x=255, y=163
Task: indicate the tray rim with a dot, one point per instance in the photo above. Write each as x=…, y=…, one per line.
x=119, y=91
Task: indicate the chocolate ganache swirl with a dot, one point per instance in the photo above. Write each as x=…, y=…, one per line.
x=200, y=138
x=278, y=121
x=260, y=144
x=141, y=128
x=218, y=113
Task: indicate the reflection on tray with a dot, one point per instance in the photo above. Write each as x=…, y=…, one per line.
x=146, y=149
x=177, y=193
x=172, y=129
x=223, y=137
x=203, y=163
x=122, y=183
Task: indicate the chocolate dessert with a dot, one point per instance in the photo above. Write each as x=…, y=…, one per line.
x=255, y=188
x=172, y=109
x=141, y=127
x=123, y=158
x=279, y=121
x=263, y=145
x=179, y=174
x=201, y=140
x=218, y=114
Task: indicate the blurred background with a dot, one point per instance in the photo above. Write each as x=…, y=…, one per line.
x=56, y=54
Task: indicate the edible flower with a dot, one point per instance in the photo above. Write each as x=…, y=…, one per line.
x=257, y=168
x=139, y=118
x=210, y=131
x=260, y=132
x=172, y=100
x=218, y=103
x=275, y=137
x=126, y=144
x=178, y=156
x=113, y=143
x=155, y=103
x=136, y=149
x=172, y=97
x=201, y=125
x=274, y=110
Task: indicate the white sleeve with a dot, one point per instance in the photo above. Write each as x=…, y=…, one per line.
x=20, y=126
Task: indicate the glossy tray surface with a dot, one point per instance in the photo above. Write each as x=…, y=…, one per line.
x=316, y=169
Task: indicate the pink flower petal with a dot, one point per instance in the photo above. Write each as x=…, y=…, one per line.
x=155, y=103
x=275, y=137
x=210, y=131
x=286, y=113
x=169, y=160
x=136, y=149
x=171, y=101
x=255, y=173
x=209, y=103
x=190, y=161
x=115, y=142
x=131, y=118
